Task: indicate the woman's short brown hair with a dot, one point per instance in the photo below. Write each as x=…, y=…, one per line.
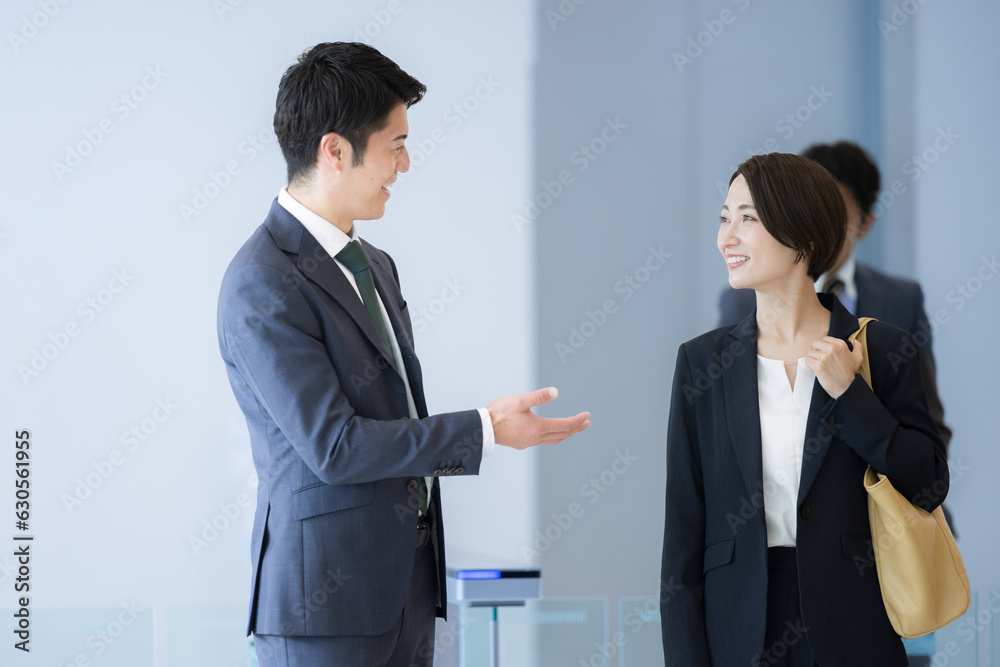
x=799, y=204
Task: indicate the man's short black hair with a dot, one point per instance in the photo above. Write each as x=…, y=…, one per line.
x=852, y=166
x=343, y=87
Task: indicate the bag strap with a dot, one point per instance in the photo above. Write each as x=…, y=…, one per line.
x=865, y=371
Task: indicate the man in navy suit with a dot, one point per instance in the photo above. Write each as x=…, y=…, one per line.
x=347, y=548
x=862, y=289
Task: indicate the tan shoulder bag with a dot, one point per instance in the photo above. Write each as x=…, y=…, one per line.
x=921, y=573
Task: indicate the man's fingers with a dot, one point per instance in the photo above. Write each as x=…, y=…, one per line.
x=553, y=438
x=562, y=424
x=539, y=397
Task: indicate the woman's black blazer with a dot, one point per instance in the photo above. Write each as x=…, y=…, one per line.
x=714, y=570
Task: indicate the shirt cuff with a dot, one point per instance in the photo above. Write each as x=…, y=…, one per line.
x=489, y=440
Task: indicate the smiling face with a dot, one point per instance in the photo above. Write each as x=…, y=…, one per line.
x=755, y=259
x=362, y=190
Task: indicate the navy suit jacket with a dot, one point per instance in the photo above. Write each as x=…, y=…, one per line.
x=336, y=453
x=714, y=568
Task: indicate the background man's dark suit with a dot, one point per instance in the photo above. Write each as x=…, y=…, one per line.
x=715, y=539
x=338, y=457
x=897, y=301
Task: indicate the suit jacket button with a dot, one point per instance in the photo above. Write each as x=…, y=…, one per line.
x=382, y=363
x=805, y=512
x=404, y=418
x=459, y=470
x=411, y=486
x=438, y=472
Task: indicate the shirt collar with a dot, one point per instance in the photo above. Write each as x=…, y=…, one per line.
x=327, y=234
x=846, y=276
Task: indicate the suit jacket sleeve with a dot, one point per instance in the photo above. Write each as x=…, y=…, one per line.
x=890, y=427
x=283, y=359
x=928, y=370
x=682, y=585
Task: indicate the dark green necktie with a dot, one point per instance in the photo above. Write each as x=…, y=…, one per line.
x=354, y=258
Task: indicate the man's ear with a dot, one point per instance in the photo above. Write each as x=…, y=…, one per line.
x=332, y=152
x=866, y=224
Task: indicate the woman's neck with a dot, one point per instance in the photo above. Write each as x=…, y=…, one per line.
x=786, y=314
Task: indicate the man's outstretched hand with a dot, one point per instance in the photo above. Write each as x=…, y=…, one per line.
x=515, y=425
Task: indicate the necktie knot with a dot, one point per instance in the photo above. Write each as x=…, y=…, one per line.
x=354, y=258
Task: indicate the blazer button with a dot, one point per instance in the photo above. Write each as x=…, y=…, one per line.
x=459, y=470
x=382, y=363
x=805, y=512
x=411, y=486
x=405, y=418
x=438, y=472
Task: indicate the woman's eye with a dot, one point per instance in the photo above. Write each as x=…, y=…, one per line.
x=748, y=217
x=723, y=219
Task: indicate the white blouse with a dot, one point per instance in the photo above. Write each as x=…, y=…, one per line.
x=783, y=415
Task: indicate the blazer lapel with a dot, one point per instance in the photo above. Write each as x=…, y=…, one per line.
x=414, y=377
x=383, y=279
x=819, y=431
x=317, y=266
x=742, y=406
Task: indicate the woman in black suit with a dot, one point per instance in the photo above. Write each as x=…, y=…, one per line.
x=767, y=556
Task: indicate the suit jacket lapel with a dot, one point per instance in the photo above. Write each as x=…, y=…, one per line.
x=819, y=431
x=383, y=284
x=743, y=407
x=317, y=266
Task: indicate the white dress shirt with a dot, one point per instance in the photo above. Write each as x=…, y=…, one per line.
x=849, y=297
x=333, y=240
x=783, y=415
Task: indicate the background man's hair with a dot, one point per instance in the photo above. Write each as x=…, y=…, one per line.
x=343, y=87
x=852, y=166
